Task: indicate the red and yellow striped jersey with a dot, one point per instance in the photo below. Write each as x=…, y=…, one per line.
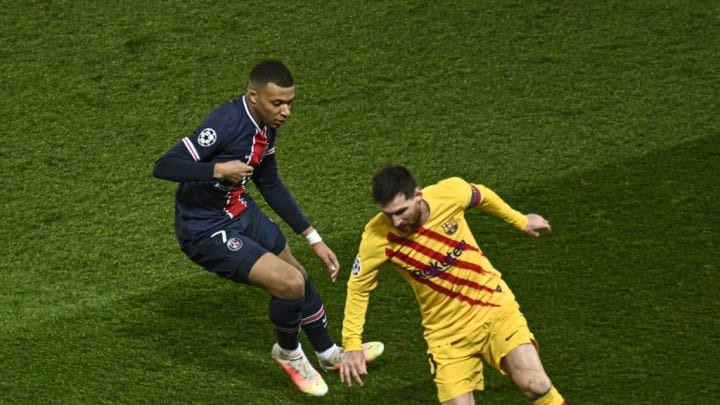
x=453, y=281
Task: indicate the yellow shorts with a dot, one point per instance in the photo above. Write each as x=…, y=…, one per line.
x=457, y=368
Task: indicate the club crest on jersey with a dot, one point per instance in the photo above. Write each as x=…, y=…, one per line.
x=356, y=267
x=234, y=244
x=450, y=227
x=207, y=137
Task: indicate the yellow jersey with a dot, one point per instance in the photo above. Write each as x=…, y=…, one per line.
x=454, y=283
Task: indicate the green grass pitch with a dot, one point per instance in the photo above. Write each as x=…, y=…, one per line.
x=600, y=115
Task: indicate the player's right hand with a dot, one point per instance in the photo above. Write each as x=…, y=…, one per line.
x=232, y=170
x=353, y=366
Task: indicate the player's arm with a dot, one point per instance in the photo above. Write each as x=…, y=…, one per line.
x=179, y=165
x=361, y=282
x=278, y=196
x=281, y=200
x=490, y=202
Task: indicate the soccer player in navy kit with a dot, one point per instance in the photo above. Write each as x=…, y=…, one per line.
x=220, y=227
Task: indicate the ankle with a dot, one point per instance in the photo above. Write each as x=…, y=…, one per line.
x=327, y=354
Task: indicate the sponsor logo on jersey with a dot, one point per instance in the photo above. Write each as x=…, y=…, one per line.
x=207, y=137
x=450, y=227
x=356, y=267
x=437, y=267
x=226, y=186
x=234, y=244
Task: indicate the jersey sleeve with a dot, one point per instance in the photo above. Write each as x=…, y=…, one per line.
x=460, y=191
x=471, y=195
x=490, y=202
x=212, y=135
x=363, y=279
x=191, y=159
x=177, y=165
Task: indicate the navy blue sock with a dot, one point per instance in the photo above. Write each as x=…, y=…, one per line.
x=314, y=320
x=286, y=316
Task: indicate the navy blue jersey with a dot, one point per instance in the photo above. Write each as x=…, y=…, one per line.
x=228, y=133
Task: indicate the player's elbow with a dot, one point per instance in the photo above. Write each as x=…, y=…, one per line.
x=160, y=169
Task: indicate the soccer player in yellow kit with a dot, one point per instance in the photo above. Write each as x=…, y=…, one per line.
x=468, y=312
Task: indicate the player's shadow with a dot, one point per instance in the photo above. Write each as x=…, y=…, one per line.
x=211, y=324
x=206, y=322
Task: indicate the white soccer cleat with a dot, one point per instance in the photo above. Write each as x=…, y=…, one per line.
x=372, y=351
x=302, y=373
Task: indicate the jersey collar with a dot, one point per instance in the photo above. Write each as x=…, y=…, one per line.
x=247, y=111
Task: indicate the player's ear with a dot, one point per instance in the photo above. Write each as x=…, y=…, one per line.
x=252, y=95
x=418, y=193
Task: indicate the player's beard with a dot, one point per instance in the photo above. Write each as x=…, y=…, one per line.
x=412, y=224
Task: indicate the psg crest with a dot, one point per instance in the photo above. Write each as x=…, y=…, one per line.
x=234, y=244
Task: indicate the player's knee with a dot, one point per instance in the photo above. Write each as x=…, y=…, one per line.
x=535, y=385
x=291, y=285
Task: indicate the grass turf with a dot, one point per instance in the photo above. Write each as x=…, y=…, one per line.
x=602, y=116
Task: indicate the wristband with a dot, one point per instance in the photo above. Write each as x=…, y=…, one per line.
x=313, y=237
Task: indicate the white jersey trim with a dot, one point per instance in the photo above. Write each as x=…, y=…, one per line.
x=191, y=148
x=247, y=111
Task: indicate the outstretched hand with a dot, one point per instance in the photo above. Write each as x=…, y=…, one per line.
x=537, y=223
x=327, y=256
x=353, y=367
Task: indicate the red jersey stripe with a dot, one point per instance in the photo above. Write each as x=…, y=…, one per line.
x=235, y=205
x=434, y=254
x=258, y=147
x=428, y=233
x=399, y=259
x=461, y=281
x=453, y=294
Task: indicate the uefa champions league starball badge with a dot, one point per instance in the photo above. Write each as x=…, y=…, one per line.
x=207, y=137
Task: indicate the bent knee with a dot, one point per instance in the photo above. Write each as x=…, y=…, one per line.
x=280, y=278
x=290, y=286
x=534, y=385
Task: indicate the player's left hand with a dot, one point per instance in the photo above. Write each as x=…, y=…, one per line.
x=537, y=223
x=327, y=256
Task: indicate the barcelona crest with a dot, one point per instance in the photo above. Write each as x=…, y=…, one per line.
x=450, y=227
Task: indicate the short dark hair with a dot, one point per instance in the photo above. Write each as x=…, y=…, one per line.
x=390, y=181
x=271, y=71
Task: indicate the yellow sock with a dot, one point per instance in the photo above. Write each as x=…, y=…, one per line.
x=551, y=397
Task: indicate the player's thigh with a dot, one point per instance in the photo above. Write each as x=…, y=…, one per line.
x=523, y=359
x=286, y=254
x=280, y=278
x=513, y=351
x=257, y=226
x=225, y=252
x=526, y=370
x=456, y=371
x=509, y=331
x=267, y=233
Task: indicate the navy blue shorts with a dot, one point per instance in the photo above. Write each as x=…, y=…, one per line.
x=231, y=252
